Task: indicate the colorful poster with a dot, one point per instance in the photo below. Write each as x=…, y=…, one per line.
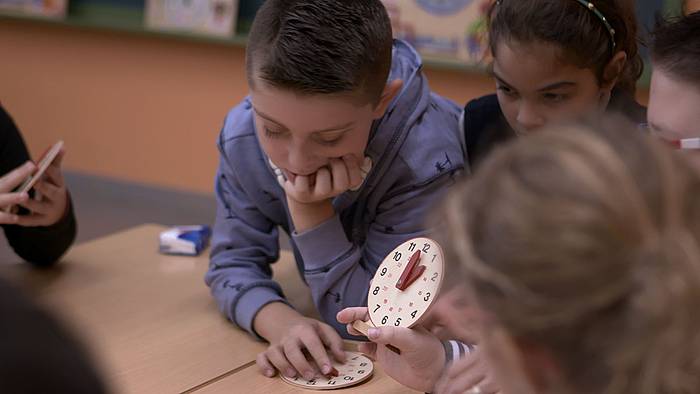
x=211, y=17
x=442, y=29
x=48, y=8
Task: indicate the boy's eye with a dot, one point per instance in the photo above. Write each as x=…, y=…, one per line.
x=329, y=140
x=272, y=133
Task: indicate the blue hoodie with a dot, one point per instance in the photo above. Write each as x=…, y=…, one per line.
x=416, y=151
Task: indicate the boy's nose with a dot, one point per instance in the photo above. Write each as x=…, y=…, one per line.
x=302, y=162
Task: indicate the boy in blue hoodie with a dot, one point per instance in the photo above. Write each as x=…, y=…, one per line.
x=340, y=143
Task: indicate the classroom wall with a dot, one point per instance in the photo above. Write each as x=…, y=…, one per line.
x=135, y=107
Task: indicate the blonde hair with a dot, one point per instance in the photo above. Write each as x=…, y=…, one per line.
x=585, y=240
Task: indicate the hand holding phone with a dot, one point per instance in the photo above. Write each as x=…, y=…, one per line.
x=50, y=200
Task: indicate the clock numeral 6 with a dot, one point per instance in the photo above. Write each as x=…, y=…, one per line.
x=385, y=319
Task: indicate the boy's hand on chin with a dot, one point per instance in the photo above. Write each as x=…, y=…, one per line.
x=309, y=196
x=339, y=176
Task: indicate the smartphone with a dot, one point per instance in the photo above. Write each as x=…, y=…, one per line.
x=43, y=164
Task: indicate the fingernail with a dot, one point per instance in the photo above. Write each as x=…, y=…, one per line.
x=269, y=373
x=291, y=373
x=326, y=369
x=373, y=333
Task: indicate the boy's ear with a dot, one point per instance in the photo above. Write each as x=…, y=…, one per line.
x=391, y=90
x=613, y=70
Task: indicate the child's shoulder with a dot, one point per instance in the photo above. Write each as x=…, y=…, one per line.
x=484, y=108
x=433, y=144
x=484, y=128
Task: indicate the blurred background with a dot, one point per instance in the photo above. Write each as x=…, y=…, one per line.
x=138, y=89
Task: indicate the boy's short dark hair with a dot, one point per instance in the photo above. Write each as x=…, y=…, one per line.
x=37, y=354
x=321, y=46
x=676, y=47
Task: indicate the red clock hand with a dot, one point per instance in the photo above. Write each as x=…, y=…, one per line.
x=417, y=272
x=407, y=274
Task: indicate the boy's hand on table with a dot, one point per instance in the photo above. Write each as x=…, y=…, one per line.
x=422, y=357
x=309, y=196
x=51, y=202
x=298, y=345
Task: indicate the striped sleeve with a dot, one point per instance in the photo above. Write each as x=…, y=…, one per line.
x=455, y=350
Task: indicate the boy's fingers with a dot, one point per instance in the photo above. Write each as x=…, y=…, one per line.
x=265, y=365
x=292, y=350
x=332, y=341
x=301, y=184
x=324, y=183
x=15, y=177
x=279, y=360
x=318, y=352
x=354, y=171
x=341, y=180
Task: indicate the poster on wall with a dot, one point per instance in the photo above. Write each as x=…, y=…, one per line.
x=209, y=17
x=47, y=8
x=452, y=30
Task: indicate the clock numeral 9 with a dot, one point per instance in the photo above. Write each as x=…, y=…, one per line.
x=383, y=272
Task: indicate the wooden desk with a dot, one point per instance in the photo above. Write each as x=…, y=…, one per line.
x=150, y=320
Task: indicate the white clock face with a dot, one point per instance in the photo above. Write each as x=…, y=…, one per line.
x=357, y=369
x=401, y=291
